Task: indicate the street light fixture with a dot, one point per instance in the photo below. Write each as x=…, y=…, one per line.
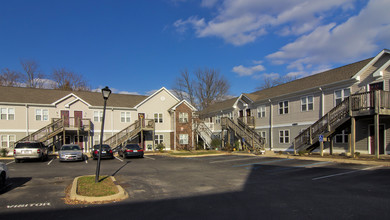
x=106, y=93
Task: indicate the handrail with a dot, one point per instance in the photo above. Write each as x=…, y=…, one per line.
x=204, y=131
x=44, y=133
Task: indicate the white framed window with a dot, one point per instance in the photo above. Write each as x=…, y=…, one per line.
x=158, y=139
x=341, y=138
x=7, y=140
x=125, y=116
x=183, y=138
x=263, y=134
x=41, y=115
x=340, y=95
x=230, y=115
x=284, y=136
x=183, y=117
x=218, y=119
x=307, y=103
x=261, y=111
x=283, y=107
x=97, y=116
x=158, y=117
x=7, y=113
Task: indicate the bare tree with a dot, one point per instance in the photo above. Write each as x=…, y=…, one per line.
x=68, y=80
x=205, y=88
x=33, y=78
x=269, y=83
x=10, y=77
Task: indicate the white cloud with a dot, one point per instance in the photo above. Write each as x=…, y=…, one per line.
x=114, y=90
x=247, y=71
x=354, y=39
x=242, y=22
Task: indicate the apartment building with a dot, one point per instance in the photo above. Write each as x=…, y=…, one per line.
x=57, y=117
x=340, y=106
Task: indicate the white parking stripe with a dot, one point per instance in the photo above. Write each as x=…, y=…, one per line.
x=118, y=158
x=10, y=162
x=50, y=162
x=339, y=174
x=150, y=158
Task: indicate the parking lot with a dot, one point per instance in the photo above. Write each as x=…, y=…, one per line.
x=218, y=187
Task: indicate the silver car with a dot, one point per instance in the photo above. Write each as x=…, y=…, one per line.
x=71, y=152
x=30, y=150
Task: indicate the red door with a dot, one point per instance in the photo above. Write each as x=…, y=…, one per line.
x=78, y=115
x=65, y=116
x=381, y=139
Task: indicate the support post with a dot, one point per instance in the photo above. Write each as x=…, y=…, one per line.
x=353, y=135
x=321, y=148
x=331, y=146
x=376, y=125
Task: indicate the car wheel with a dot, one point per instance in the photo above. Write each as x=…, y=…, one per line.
x=2, y=179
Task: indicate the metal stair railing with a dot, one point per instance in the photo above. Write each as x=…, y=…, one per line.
x=250, y=136
x=204, y=132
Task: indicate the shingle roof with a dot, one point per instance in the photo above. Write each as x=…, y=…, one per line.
x=49, y=96
x=321, y=79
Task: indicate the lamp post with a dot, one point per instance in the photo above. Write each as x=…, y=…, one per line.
x=106, y=93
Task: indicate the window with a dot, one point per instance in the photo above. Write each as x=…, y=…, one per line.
x=7, y=113
x=230, y=115
x=125, y=116
x=307, y=103
x=158, y=138
x=261, y=111
x=340, y=95
x=158, y=117
x=41, y=115
x=183, y=138
x=7, y=140
x=218, y=119
x=284, y=136
x=283, y=107
x=97, y=116
x=263, y=135
x=341, y=137
x=183, y=117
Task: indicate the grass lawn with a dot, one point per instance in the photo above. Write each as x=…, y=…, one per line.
x=86, y=186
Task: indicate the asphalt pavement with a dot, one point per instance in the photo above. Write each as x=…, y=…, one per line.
x=213, y=187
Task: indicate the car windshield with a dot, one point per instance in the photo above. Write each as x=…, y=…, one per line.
x=104, y=147
x=28, y=145
x=133, y=147
x=72, y=147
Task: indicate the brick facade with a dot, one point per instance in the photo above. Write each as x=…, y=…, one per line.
x=183, y=128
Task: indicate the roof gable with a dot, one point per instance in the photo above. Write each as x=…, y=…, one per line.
x=154, y=94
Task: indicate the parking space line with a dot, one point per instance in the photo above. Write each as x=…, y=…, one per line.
x=10, y=162
x=86, y=161
x=118, y=158
x=50, y=161
x=265, y=162
x=151, y=158
x=345, y=173
x=230, y=160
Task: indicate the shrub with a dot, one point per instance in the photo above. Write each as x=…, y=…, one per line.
x=215, y=143
x=357, y=154
x=228, y=147
x=160, y=147
x=4, y=152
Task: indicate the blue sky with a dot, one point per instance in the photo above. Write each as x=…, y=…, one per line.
x=139, y=46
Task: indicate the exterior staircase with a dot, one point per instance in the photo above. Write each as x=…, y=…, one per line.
x=360, y=104
x=128, y=133
x=204, y=132
x=251, y=138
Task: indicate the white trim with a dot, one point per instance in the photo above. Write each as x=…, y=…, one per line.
x=374, y=60
x=67, y=96
x=163, y=131
x=77, y=99
x=379, y=71
x=158, y=91
x=185, y=102
x=286, y=125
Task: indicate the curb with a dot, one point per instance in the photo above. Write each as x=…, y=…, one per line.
x=121, y=195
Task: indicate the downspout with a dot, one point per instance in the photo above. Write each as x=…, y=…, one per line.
x=174, y=130
x=270, y=125
x=27, y=123
x=112, y=121
x=322, y=102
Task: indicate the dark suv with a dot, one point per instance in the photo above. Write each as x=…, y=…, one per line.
x=30, y=150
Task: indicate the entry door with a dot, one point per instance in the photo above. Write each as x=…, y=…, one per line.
x=78, y=115
x=65, y=116
x=79, y=140
x=381, y=139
